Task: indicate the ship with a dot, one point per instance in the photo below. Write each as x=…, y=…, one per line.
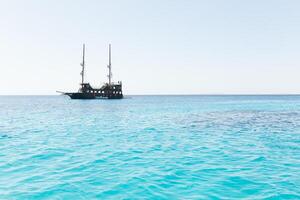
x=109, y=90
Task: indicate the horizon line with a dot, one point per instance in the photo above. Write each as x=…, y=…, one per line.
x=216, y=94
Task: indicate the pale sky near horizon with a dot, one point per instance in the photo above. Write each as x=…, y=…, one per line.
x=158, y=46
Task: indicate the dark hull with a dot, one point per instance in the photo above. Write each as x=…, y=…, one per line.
x=80, y=95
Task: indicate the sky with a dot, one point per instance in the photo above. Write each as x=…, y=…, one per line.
x=158, y=46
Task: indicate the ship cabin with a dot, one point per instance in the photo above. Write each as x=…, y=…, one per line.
x=110, y=91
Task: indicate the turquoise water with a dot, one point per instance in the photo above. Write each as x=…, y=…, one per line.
x=150, y=147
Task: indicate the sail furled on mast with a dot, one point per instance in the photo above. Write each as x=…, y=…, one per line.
x=82, y=64
x=109, y=66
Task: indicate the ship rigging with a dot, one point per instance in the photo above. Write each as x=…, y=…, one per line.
x=109, y=90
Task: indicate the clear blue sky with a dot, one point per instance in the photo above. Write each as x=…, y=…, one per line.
x=159, y=47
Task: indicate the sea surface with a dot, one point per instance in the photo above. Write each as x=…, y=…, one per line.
x=150, y=147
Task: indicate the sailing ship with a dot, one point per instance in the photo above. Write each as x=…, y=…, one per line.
x=109, y=90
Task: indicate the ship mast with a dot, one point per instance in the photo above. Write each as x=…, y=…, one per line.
x=83, y=65
x=109, y=66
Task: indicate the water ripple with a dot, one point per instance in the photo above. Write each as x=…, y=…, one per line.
x=152, y=147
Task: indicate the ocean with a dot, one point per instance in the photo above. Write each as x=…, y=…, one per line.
x=150, y=147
